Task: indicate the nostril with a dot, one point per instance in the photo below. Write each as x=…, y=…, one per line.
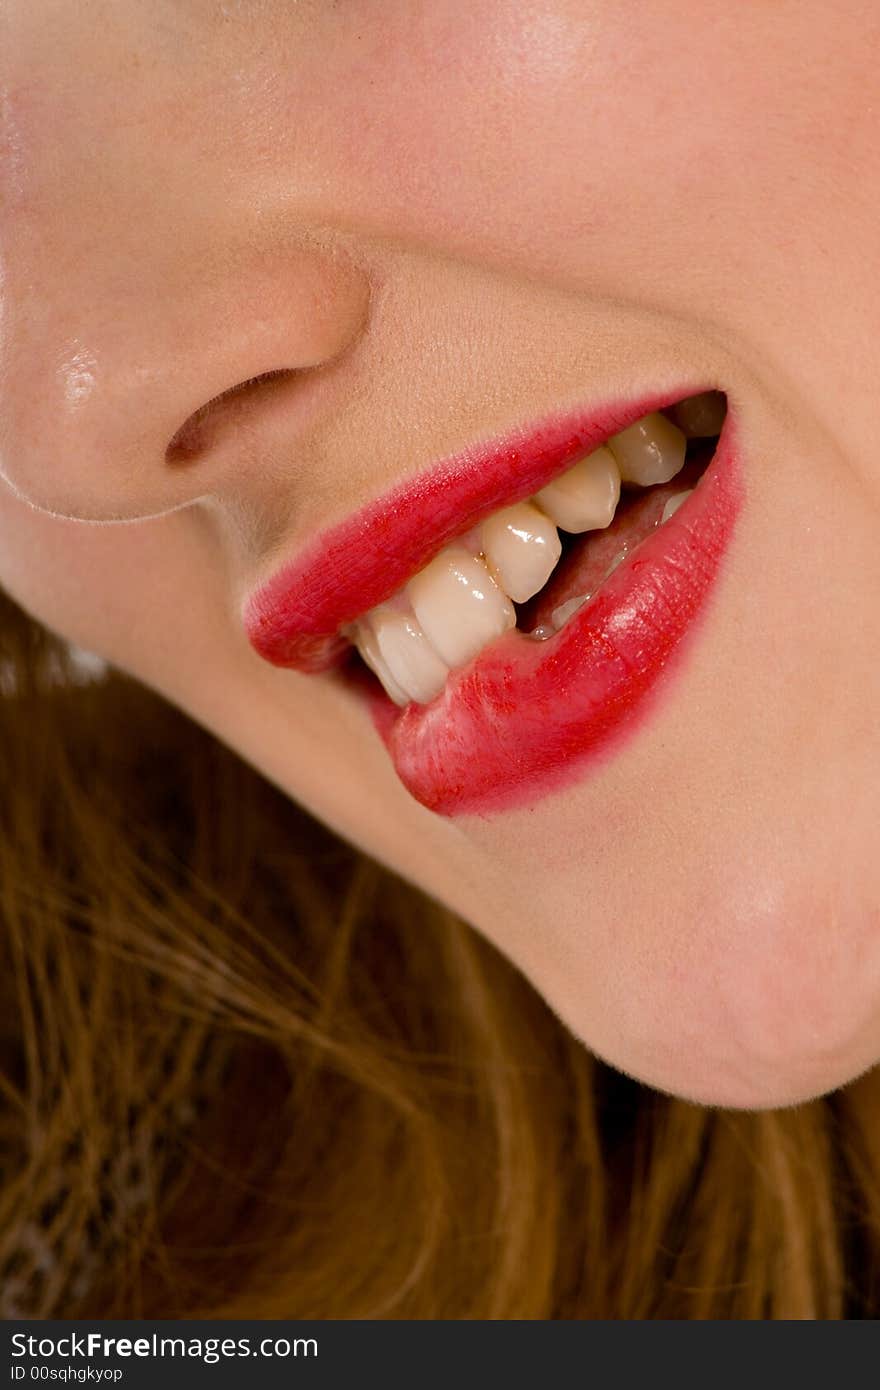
x=197, y=432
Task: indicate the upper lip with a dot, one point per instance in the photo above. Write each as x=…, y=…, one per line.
x=294, y=618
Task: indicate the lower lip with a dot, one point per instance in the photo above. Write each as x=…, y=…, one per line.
x=528, y=718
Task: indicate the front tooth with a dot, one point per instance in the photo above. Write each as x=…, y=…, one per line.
x=701, y=416
x=672, y=504
x=365, y=640
x=650, y=451
x=414, y=665
x=521, y=546
x=458, y=605
x=584, y=498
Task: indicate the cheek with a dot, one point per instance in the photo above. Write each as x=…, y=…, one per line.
x=591, y=143
x=111, y=590
x=155, y=600
x=153, y=597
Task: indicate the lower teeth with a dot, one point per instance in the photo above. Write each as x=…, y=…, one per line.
x=560, y=616
x=673, y=504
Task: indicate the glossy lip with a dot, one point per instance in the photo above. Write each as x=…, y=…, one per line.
x=294, y=619
x=527, y=718
x=524, y=718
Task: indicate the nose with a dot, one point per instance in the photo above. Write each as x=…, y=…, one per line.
x=116, y=356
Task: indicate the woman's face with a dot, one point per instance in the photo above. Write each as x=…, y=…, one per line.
x=438, y=225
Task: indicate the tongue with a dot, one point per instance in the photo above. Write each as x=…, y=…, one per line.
x=587, y=560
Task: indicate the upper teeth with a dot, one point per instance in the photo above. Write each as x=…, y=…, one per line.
x=702, y=415
x=407, y=655
x=650, y=451
x=458, y=605
x=584, y=498
x=461, y=601
x=521, y=546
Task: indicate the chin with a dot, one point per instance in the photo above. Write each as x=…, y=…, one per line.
x=756, y=1010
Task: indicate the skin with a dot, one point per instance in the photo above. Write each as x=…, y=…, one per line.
x=444, y=220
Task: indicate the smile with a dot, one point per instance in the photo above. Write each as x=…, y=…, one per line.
x=519, y=606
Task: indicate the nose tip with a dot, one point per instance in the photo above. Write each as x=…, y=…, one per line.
x=102, y=416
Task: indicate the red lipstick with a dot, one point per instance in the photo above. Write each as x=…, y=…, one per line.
x=526, y=716
x=295, y=618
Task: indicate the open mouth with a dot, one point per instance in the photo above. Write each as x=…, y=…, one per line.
x=538, y=630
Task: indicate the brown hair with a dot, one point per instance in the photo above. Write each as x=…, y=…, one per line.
x=246, y=1072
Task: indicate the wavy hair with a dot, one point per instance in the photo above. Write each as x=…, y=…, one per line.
x=245, y=1072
